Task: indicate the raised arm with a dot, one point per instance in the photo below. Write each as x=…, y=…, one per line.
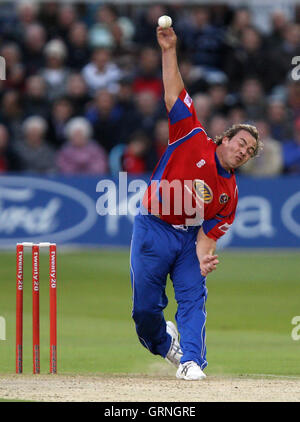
x=172, y=80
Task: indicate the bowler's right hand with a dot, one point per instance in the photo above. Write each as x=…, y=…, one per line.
x=166, y=38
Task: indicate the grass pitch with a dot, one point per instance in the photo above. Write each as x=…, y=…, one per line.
x=252, y=298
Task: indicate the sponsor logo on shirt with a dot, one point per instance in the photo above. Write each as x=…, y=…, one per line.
x=225, y=227
x=223, y=198
x=187, y=100
x=201, y=163
x=203, y=191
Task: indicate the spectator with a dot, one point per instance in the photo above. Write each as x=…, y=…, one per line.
x=110, y=30
x=241, y=20
x=148, y=111
x=55, y=72
x=193, y=77
x=291, y=151
x=279, y=119
x=9, y=160
x=11, y=113
x=220, y=99
x=34, y=42
x=61, y=113
x=106, y=118
x=77, y=93
x=148, y=77
x=247, y=61
x=35, y=154
x=270, y=161
x=27, y=14
x=218, y=124
x=67, y=17
x=279, y=22
x=15, y=71
x=35, y=97
x=293, y=97
x=134, y=158
x=160, y=144
x=81, y=155
x=253, y=99
x=204, y=41
x=101, y=72
x=236, y=115
x=202, y=103
x=78, y=48
x=146, y=23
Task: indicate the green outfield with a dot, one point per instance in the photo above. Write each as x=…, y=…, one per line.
x=252, y=298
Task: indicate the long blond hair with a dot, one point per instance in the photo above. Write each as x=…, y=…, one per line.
x=233, y=130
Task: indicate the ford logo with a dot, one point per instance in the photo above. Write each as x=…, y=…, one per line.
x=35, y=209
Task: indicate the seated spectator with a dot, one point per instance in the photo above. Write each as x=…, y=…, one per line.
x=48, y=16
x=134, y=157
x=247, y=61
x=77, y=93
x=107, y=120
x=101, y=72
x=160, y=144
x=79, y=51
x=55, y=72
x=81, y=155
x=220, y=98
x=27, y=14
x=12, y=113
x=293, y=97
x=270, y=161
x=110, y=30
x=148, y=77
x=35, y=154
x=193, y=77
x=66, y=18
x=9, y=160
x=203, y=40
x=279, y=22
x=148, y=111
x=34, y=42
x=241, y=20
x=35, y=98
x=253, y=99
x=146, y=24
x=14, y=68
x=291, y=151
x=218, y=124
x=61, y=113
x=236, y=115
x=280, y=120
x=202, y=104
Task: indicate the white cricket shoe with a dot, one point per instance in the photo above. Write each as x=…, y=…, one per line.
x=175, y=353
x=190, y=371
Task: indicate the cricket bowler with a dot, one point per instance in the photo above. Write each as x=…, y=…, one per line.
x=182, y=244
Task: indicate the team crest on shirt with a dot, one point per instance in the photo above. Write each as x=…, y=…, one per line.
x=223, y=198
x=203, y=191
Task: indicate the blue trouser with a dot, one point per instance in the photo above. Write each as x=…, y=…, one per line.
x=159, y=249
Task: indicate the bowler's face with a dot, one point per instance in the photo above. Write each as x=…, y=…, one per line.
x=239, y=149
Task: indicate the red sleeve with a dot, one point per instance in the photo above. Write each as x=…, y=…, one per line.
x=182, y=118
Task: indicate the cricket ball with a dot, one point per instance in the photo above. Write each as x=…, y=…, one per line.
x=164, y=21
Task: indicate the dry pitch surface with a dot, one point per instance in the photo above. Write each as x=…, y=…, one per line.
x=145, y=388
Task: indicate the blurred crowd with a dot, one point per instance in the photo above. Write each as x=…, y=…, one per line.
x=83, y=91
